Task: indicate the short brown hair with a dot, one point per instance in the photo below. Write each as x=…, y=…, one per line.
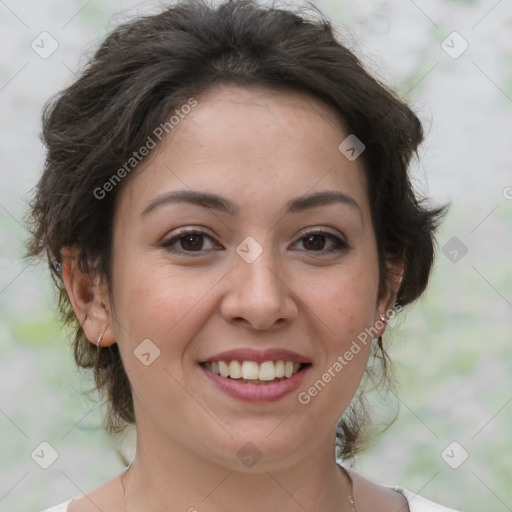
x=146, y=68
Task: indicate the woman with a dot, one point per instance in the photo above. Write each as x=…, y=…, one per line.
x=228, y=217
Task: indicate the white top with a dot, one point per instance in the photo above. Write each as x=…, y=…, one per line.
x=416, y=504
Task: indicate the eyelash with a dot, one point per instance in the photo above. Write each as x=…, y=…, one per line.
x=340, y=244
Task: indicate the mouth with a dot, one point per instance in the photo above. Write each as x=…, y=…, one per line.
x=255, y=375
x=253, y=372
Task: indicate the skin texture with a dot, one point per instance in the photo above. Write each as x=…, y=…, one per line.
x=258, y=148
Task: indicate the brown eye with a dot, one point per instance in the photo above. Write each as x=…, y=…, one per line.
x=191, y=242
x=188, y=242
x=314, y=242
x=323, y=242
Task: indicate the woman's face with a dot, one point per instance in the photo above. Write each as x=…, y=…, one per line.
x=256, y=274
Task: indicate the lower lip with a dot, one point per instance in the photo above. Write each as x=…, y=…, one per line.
x=256, y=392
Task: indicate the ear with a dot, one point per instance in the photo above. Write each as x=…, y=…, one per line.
x=387, y=296
x=89, y=299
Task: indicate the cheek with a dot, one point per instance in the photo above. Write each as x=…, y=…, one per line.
x=159, y=302
x=345, y=300
x=345, y=307
x=155, y=303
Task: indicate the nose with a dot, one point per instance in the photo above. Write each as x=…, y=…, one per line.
x=259, y=294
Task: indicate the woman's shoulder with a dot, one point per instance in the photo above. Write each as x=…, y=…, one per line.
x=373, y=496
x=419, y=504
x=63, y=507
x=105, y=497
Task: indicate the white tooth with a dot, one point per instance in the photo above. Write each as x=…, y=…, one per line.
x=235, y=370
x=224, y=369
x=267, y=370
x=279, y=369
x=250, y=370
x=288, y=369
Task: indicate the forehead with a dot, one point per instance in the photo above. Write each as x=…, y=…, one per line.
x=284, y=119
x=256, y=144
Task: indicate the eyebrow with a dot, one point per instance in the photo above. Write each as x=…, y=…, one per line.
x=223, y=205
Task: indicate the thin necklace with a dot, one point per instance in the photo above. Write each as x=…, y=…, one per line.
x=123, y=478
x=345, y=472
x=351, y=489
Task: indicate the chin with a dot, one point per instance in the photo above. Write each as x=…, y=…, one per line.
x=259, y=449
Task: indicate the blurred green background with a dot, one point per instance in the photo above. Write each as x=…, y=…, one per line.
x=452, y=350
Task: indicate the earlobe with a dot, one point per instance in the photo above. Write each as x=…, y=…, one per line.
x=387, y=301
x=87, y=299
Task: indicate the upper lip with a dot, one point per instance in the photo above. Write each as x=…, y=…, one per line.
x=248, y=354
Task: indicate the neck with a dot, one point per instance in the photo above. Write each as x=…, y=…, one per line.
x=159, y=477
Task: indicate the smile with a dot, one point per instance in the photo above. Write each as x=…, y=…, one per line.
x=252, y=372
x=250, y=381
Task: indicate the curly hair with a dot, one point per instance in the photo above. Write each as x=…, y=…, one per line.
x=148, y=67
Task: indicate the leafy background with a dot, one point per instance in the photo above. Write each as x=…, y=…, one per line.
x=452, y=350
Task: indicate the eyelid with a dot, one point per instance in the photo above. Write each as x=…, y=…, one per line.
x=322, y=230
x=192, y=229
